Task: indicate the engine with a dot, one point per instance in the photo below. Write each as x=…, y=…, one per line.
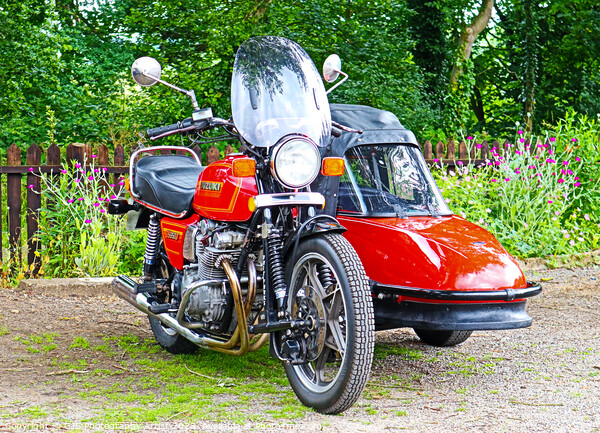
x=205, y=244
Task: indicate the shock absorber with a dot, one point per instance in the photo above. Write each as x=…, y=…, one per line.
x=325, y=275
x=151, y=246
x=276, y=269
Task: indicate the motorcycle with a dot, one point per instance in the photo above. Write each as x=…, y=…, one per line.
x=240, y=251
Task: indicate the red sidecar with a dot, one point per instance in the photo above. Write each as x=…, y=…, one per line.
x=429, y=269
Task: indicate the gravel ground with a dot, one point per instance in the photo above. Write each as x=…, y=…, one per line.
x=544, y=378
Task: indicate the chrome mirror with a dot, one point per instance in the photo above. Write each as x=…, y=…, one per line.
x=146, y=71
x=332, y=68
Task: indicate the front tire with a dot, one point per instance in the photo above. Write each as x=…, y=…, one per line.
x=328, y=280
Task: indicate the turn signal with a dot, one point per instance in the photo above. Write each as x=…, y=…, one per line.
x=333, y=166
x=244, y=167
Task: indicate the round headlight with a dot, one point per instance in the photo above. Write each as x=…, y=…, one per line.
x=296, y=161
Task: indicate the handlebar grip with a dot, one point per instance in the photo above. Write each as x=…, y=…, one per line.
x=153, y=132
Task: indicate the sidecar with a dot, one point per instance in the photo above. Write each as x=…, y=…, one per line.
x=429, y=269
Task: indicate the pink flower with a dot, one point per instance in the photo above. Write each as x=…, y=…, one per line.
x=104, y=169
x=71, y=200
x=522, y=140
x=550, y=201
x=76, y=180
x=87, y=221
x=94, y=156
x=91, y=177
x=551, y=161
x=509, y=145
x=586, y=217
x=96, y=170
x=479, y=146
x=561, y=180
x=112, y=185
x=113, y=196
x=459, y=163
x=497, y=162
x=63, y=171
x=77, y=165
x=507, y=179
x=520, y=132
x=552, y=139
x=565, y=163
x=80, y=199
x=96, y=204
x=30, y=168
x=569, y=171
x=469, y=138
x=577, y=159
x=121, y=183
x=494, y=180
x=435, y=160
x=30, y=186
x=577, y=184
x=574, y=140
x=572, y=242
x=517, y=171
x=102, y=210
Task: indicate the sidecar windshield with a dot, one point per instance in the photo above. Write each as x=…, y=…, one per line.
x=389, y=180
x=276, y=90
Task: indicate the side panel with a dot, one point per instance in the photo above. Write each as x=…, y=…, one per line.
x=222, y=196
x=173, y=232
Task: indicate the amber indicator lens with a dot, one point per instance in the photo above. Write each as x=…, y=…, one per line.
x=333, y=166
x=244, y=167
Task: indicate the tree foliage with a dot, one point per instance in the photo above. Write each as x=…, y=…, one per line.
x=70, y=59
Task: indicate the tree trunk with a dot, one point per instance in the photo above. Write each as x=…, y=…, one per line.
x=467, y=38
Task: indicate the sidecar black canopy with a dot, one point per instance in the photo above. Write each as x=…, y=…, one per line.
x=378, y=126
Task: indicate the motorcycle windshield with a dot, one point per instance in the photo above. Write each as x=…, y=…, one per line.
x=389, y=180
x=276, y=90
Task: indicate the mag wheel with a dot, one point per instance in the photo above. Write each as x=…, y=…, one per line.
x=442, y=338
x=328, y=286
x=166, y=337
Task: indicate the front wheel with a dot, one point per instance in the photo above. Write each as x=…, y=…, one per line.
x=329, y=287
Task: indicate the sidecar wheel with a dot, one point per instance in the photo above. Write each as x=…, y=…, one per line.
x=442, y=338
x=328, y=284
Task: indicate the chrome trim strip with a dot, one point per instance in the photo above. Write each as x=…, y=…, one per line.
x=289, y=199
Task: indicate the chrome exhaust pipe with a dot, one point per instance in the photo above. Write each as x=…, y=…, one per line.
x=124, y=288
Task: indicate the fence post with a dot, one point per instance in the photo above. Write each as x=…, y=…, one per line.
x=451, y=150
x=34, y=203
x=428, y=150
x=462, y=150
x=212, y=155
x=439, y=150
x=13, y=198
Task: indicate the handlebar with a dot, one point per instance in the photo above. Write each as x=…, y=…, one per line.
x=186, y=125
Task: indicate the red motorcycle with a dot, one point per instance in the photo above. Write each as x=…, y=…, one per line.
x=240, y=251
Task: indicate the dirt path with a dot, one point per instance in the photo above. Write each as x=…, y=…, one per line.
x=66, y=365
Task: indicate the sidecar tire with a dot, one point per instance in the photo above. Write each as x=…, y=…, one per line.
x=350, y=301
x=442, y=338
x=170, y=340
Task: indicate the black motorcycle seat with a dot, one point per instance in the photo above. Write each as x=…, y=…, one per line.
x=167, y=182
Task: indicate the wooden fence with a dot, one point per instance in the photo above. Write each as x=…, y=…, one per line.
x=29, y=166
x=37, y=161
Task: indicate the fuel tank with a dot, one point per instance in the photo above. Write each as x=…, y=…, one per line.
x=447, y=253
x=222, y=196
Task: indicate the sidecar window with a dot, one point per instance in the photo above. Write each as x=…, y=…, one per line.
x=389, y=180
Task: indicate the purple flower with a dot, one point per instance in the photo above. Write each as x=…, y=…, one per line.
x=80, y=199
x=459, y=163
x=469, y=138
x=518, y=152
x=123, y=183
x=561, y=180
x=565, y=163
x=574, y=140
x=577, y=159
x=63, y=171
x=96, y=204
x=94, y=156
x=113, y=196
x=71, y=200
x=551, y=161
x=96, y=170
x=520, y=132
x=77, y=165
x=577, y=184
x=510, y=145
x=112, y=185
x=550, y=201
x=76, y=180
x=91, y=177
x=552, y=139
x=30, y=168
x=87, y=221
x=507, y=179
x=517, y=171
x=30, y=186
x=494, y=180
x=435, y=160
x=479, y=146
x=102, y=210
x=497, y=163
x=104, y=169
